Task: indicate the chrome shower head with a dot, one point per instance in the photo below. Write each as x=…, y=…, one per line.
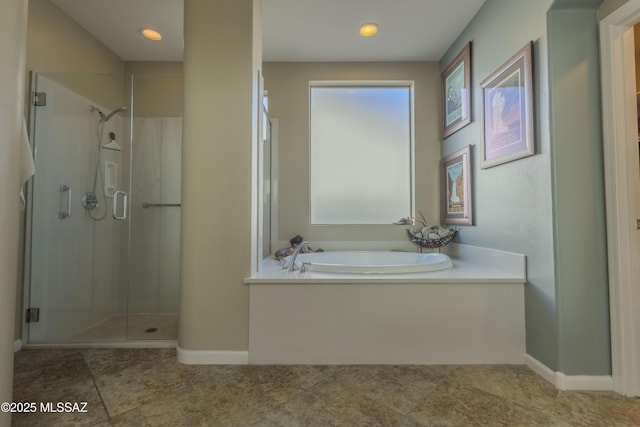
x=105, y=117
x=111, y=114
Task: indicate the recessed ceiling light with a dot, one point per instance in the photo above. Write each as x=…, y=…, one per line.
x=368, y=30
x=150, y=34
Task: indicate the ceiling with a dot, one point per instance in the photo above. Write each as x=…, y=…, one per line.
x=293, y=30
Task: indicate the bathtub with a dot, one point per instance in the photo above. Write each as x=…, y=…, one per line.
x=372, y=262
x=472, y=313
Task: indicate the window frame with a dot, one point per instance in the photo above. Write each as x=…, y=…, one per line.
x=346, y=84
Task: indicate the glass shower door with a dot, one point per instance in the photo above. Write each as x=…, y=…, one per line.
x=104, y=207
x=78, y=259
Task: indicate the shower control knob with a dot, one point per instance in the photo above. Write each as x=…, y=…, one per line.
x=89, y=201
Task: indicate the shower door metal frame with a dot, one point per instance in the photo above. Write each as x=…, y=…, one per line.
x=28, y=217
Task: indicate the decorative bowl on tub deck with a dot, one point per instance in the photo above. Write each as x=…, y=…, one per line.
x=434, y=240
x=430, y=236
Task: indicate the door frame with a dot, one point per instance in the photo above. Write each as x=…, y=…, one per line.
x=620, y=149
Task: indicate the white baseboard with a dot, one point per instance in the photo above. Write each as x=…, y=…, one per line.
x=584, y=382
x=17, y=346
x=212, y=357
x=569, y=382
x=540, y=369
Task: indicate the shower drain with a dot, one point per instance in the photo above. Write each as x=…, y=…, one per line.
x=150, y=330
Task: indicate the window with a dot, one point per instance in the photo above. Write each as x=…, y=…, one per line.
x=361, y=153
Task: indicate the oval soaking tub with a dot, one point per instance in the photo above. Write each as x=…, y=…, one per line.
x=365, y=262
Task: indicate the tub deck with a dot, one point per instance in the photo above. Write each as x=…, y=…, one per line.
x=461, y=272
x=469, y=314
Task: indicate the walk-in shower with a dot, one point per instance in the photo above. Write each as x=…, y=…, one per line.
x=103, y=253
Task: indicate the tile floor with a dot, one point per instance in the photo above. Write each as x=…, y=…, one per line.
x=148, y=387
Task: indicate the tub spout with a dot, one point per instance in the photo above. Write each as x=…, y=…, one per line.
x=294, y=255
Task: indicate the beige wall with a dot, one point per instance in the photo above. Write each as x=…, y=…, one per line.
x=57, y=46
x=636, y=39
x=288, y=86
x=158, y=88
x=13, y=22
x=219, y=75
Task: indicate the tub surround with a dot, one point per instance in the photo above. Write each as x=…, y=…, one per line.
x=469, y=314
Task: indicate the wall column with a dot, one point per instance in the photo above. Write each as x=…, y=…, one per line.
x=580, y=241
x=220, y=75
x=13, y=34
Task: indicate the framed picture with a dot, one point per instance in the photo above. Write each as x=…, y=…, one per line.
x=456, y=93
x=456, y=188
x=507, y=106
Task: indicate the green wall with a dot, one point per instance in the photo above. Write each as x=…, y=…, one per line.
x=578, y=191
x=538, y=205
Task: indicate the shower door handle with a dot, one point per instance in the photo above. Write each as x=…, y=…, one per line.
x=115, y=205
x=65, y=189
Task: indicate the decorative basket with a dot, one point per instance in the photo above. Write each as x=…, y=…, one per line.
x=431, y=243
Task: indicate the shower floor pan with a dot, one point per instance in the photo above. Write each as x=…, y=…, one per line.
x=137, y=327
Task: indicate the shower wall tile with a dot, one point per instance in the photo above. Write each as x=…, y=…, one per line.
x=154, y=285
x=169, y=254
x=169, y=261
x=171, y=159
x=145, y=223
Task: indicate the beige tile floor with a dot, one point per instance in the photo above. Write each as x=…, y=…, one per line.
x=148, y=387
